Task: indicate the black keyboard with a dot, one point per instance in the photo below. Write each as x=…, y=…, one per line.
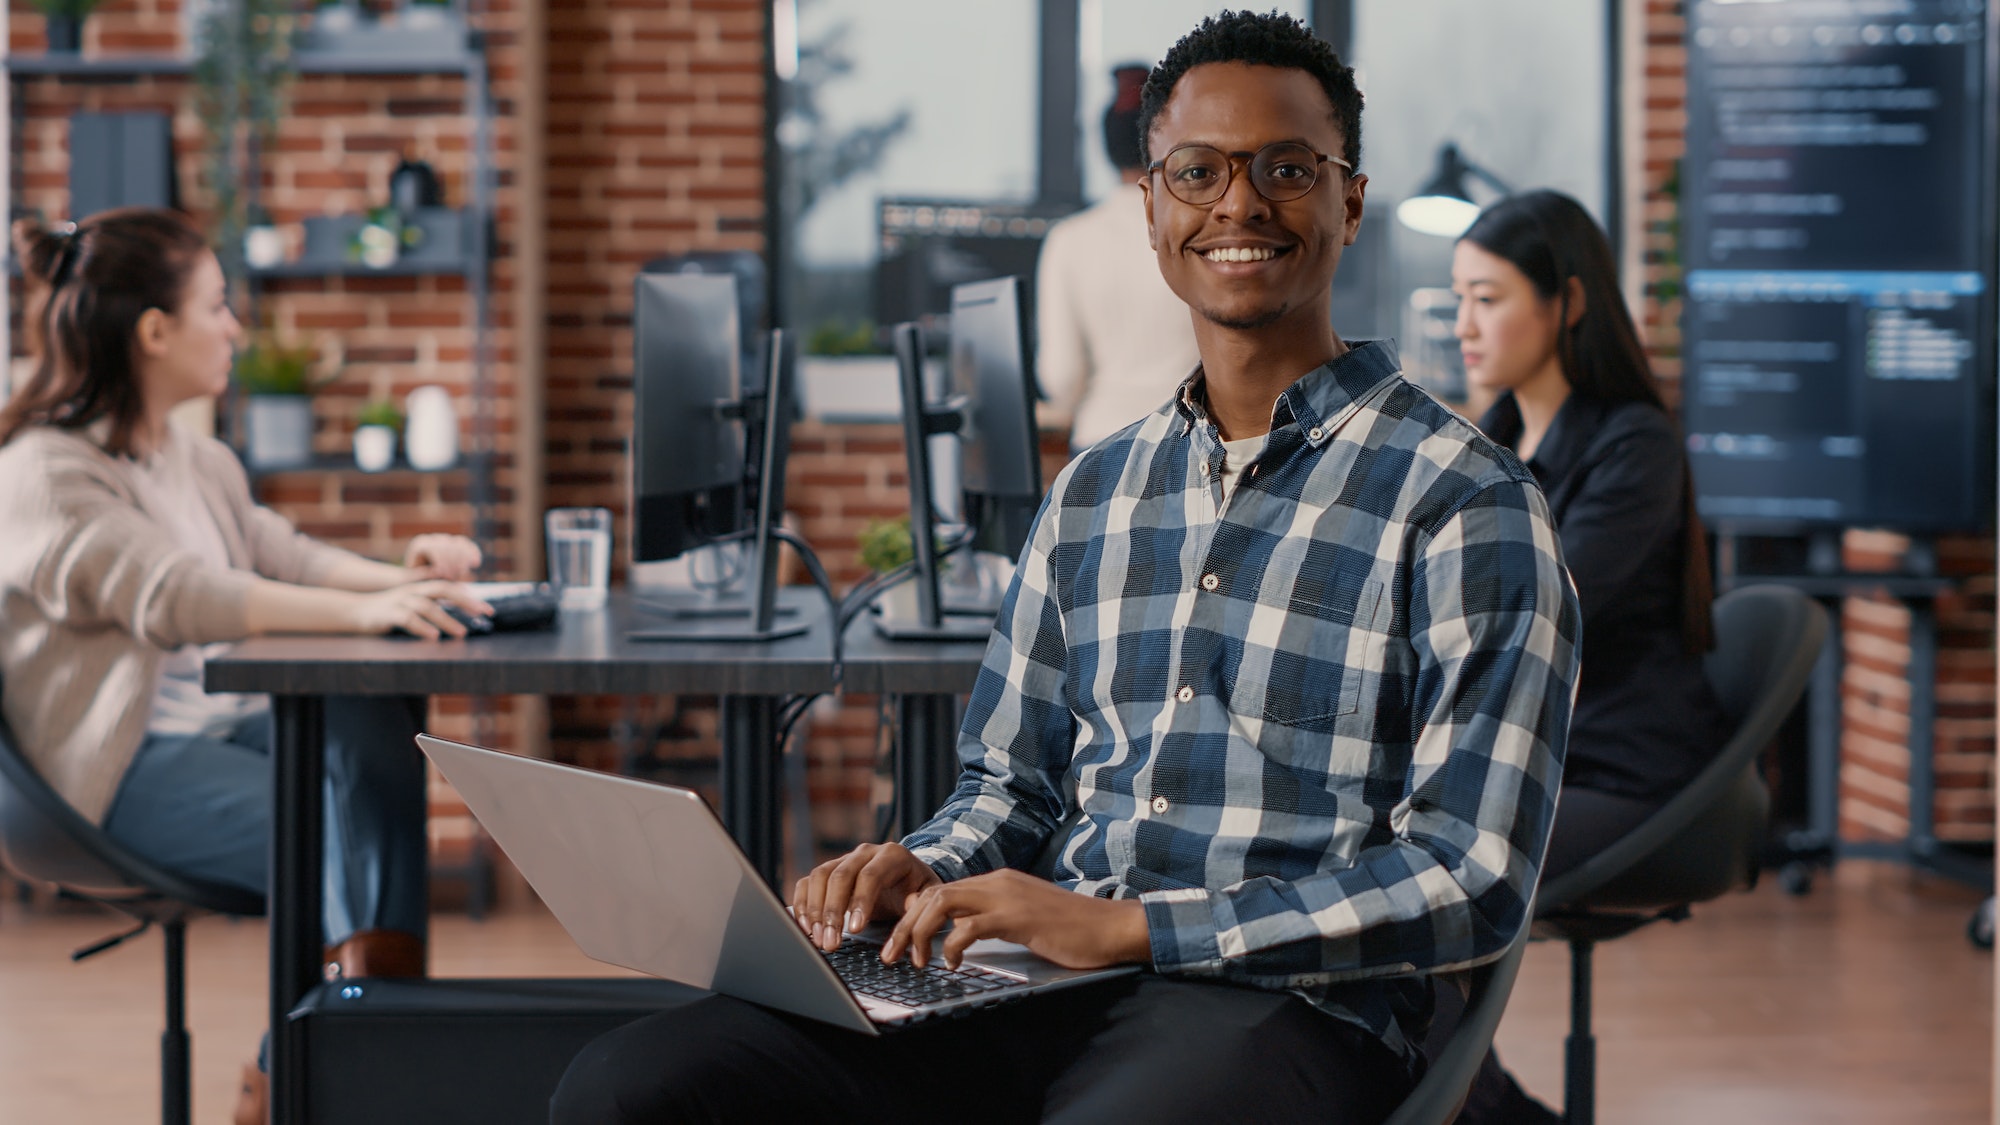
x=859, y=963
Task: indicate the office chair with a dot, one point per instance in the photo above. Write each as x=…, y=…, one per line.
x=42, y=838
x=1704, y=842
x=1440, y=1094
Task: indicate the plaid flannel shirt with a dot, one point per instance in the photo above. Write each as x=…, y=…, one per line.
x=1315, y=726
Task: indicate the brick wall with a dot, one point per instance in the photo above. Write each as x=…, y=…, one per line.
x=1875, y=692
x=382, y=336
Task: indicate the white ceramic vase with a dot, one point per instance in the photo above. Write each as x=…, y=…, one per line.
x=430, y=429
x=374, y=448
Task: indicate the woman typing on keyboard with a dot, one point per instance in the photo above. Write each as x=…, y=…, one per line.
x=133, y=547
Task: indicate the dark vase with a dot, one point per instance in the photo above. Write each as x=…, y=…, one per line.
x=65, y=34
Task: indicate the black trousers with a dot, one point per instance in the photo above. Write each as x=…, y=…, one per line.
x=1140, y=1048
x=1587, y=822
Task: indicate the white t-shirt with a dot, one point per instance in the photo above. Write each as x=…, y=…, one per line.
x=1236, y=456
x=1113, y=340
x=170, y=494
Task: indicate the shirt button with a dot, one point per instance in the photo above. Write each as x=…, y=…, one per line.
x=1315, y=433
x=1210, y=582
x=1159, y=804
x=1185, y=694
x=1204, y=468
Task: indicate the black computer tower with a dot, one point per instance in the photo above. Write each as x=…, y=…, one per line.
x=441, y=1051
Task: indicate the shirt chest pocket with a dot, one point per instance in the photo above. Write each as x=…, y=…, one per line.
x=1320, y=670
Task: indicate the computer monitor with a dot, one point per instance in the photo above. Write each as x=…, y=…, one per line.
x=992, y=369
x=770, y=416
x=990, y=408
x=687, y=425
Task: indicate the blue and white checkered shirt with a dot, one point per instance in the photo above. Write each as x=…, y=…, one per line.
x=1315, y=725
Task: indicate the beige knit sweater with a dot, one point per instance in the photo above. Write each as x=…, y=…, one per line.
x=95, y=590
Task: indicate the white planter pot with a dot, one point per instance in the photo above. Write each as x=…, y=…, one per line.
x=898, y=603
x=281, y=430
x=374, y=448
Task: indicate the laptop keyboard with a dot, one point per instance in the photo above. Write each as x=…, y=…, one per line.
x=859, y=963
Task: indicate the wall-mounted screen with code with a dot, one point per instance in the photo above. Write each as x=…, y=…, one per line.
x=1838, y=240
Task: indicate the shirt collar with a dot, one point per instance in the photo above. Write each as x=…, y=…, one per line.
x=1320, y=401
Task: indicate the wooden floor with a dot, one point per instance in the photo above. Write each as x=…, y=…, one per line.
x=1861, y=1003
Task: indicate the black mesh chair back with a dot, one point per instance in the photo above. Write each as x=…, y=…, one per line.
x=43, y=839
x=1704, y=842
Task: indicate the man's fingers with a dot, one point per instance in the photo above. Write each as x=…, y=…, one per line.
x=965, y=930
x=839, y=892
x=887, y=869
x=806, y=906
x=933, y=909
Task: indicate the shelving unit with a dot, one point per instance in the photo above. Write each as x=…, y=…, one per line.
x=475, y=467
x=468, y=64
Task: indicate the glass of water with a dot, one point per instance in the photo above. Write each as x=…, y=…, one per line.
x=580, y=555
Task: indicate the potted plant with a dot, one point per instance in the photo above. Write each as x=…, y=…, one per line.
x=885, y=545
x=375, y=435
x=63, y=25
x=277, y=380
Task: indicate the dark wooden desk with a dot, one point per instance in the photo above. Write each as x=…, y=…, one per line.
x=926, y=678
x=589, y=654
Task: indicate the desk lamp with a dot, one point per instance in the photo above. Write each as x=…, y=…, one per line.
x=1443, y=206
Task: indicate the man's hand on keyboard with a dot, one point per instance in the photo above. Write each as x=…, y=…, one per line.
x=1075, y=931
x=872, y=881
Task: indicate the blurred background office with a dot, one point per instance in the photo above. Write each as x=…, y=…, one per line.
x=471, y=216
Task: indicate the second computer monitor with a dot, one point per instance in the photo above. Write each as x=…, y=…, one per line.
x=992, y=372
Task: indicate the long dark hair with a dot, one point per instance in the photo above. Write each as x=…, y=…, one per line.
x=87, y=286
x=1552, y=240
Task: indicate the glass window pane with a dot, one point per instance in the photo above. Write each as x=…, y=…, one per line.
x=966, y=109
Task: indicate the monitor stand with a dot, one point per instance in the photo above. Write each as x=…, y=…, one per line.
x=700, y=608
x=951, y=627
x=710, y=629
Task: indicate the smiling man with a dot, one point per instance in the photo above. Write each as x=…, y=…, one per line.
x=1281, y=687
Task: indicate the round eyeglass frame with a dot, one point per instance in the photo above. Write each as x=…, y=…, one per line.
x=1251, y=162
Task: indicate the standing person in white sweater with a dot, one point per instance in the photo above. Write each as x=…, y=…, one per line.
x=133, y=548
x=1113, y=340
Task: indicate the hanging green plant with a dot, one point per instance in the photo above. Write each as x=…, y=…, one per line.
x=242, y=69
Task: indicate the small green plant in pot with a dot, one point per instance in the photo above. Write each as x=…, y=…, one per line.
x=886, y=545
x=375, y=430
x=278, y=380
x=64, y=23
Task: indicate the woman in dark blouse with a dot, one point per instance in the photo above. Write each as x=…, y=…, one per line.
x=1541, y=321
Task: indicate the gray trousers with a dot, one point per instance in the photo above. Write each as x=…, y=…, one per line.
x=200, y=805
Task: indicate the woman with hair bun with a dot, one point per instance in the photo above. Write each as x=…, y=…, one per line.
x=133, y=547
x=1541, y=321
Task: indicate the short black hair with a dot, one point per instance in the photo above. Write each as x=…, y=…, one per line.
x=1267, y=39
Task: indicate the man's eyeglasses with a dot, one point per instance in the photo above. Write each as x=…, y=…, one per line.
x=1198, y=174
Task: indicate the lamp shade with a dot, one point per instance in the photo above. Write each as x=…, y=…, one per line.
x=1443, y=206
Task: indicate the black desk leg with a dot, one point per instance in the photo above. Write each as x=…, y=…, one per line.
x=750, y=781
x=297, y=878
x=926, y=757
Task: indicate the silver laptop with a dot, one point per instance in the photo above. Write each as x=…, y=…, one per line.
x=644, y=876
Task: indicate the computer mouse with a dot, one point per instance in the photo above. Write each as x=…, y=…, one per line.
x=476, y=625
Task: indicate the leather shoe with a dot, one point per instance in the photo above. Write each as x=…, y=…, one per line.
x=378, y=953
